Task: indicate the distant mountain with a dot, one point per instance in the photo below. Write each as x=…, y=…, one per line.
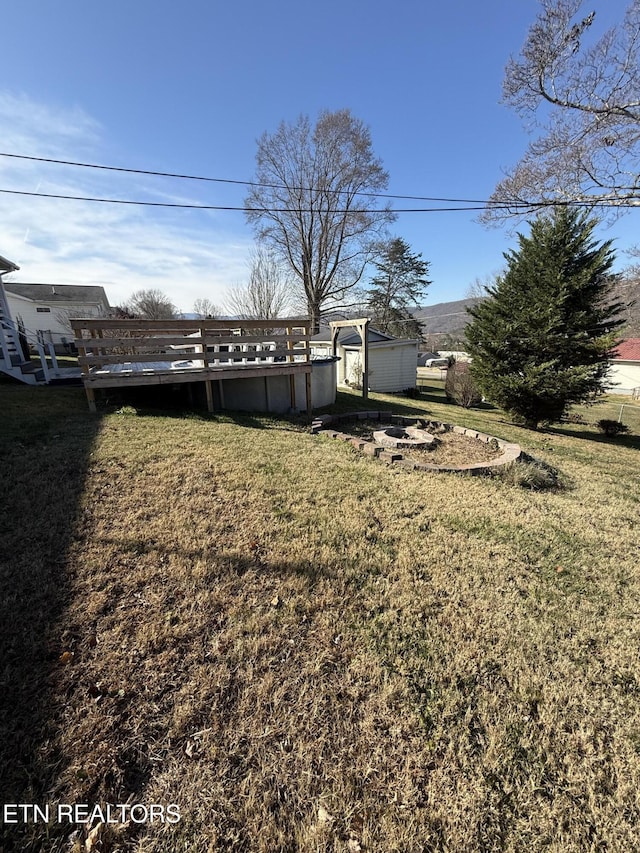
x=628, y=292
x=444, y=324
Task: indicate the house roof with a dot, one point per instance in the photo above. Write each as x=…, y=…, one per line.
x=59, y=293
x=7, y=265
x=628, y=350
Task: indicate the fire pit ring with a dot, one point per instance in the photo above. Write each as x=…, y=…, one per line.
x=399, y=437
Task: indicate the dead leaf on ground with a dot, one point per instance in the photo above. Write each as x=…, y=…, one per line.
x=93, y=839
x=324, y=818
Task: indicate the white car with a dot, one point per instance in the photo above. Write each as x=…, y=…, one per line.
x=437, y=362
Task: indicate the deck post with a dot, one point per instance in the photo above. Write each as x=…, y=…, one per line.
x=82, y=351
x=292, y=378
x=209, y=389
x=292, y=390
x=307, y=388
x=91, y=399
x=221, y=392
x=267, y=398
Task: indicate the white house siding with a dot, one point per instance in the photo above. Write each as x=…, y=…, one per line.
x=393, y=368
x=624, y=377
x=49, y=322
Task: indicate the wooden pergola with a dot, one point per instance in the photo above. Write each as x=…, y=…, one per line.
x=362, y=327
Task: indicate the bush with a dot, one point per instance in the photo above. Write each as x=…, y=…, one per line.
x=611, y=428
x=460, y=386
x=530, y=474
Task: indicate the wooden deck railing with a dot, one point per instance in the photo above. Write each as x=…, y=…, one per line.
x=116, y=352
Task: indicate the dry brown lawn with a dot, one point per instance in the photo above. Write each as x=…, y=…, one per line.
x=307, y=650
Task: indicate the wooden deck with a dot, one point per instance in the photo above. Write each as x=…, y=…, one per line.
x=123, y=353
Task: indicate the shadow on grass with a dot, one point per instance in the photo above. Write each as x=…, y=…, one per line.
x=188, y=401
x=46, y=437
x=630, y=441
x=347, y=402
x=351, y=402
x=282, y=423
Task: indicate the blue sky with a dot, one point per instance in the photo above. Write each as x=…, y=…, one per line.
x=190, y=87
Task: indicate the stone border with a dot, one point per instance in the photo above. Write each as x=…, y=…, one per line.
x=322, y=425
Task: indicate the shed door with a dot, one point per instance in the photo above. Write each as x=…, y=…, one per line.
x=353, y=367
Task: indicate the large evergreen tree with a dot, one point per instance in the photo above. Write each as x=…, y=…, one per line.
x=397, y=289
x=542, y=339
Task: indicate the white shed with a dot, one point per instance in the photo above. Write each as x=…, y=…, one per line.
x=392, y=361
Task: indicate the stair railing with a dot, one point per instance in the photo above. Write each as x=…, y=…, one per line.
x=3, y=342
x=8, y=324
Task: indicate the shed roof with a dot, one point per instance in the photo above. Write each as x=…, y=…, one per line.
x=349, y=336
x=628, y=350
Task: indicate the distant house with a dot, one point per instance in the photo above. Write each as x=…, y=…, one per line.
x=624, y=373
x=392, y=361
x=44, y=310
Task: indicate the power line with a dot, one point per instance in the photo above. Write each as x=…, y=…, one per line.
x=469, y=204
x=187, y=177
x=226, y=207
x=290, y=209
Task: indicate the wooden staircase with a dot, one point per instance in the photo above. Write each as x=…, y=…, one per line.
x=12, y=360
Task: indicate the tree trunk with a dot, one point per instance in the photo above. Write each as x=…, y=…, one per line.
x=314, y=316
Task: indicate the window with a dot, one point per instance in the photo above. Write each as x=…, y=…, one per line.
x=43, y=310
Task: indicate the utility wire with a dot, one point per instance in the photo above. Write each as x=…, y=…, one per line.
x=240, y=183
x=231, y=208
x=469, y=204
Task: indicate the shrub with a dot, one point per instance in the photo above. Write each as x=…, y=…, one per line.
x=611, y=428
x=460, y=386
x=529, y=474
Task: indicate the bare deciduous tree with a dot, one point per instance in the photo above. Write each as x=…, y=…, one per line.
x=269, y=292
x=479, y=287
x=584, y=98
x=205, y=308
x=312, y=207
x=151, y=305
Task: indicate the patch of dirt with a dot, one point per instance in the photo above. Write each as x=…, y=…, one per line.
x=455, y=449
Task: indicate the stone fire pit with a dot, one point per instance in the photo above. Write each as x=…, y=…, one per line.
x=409, y=437
x=409, y=433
